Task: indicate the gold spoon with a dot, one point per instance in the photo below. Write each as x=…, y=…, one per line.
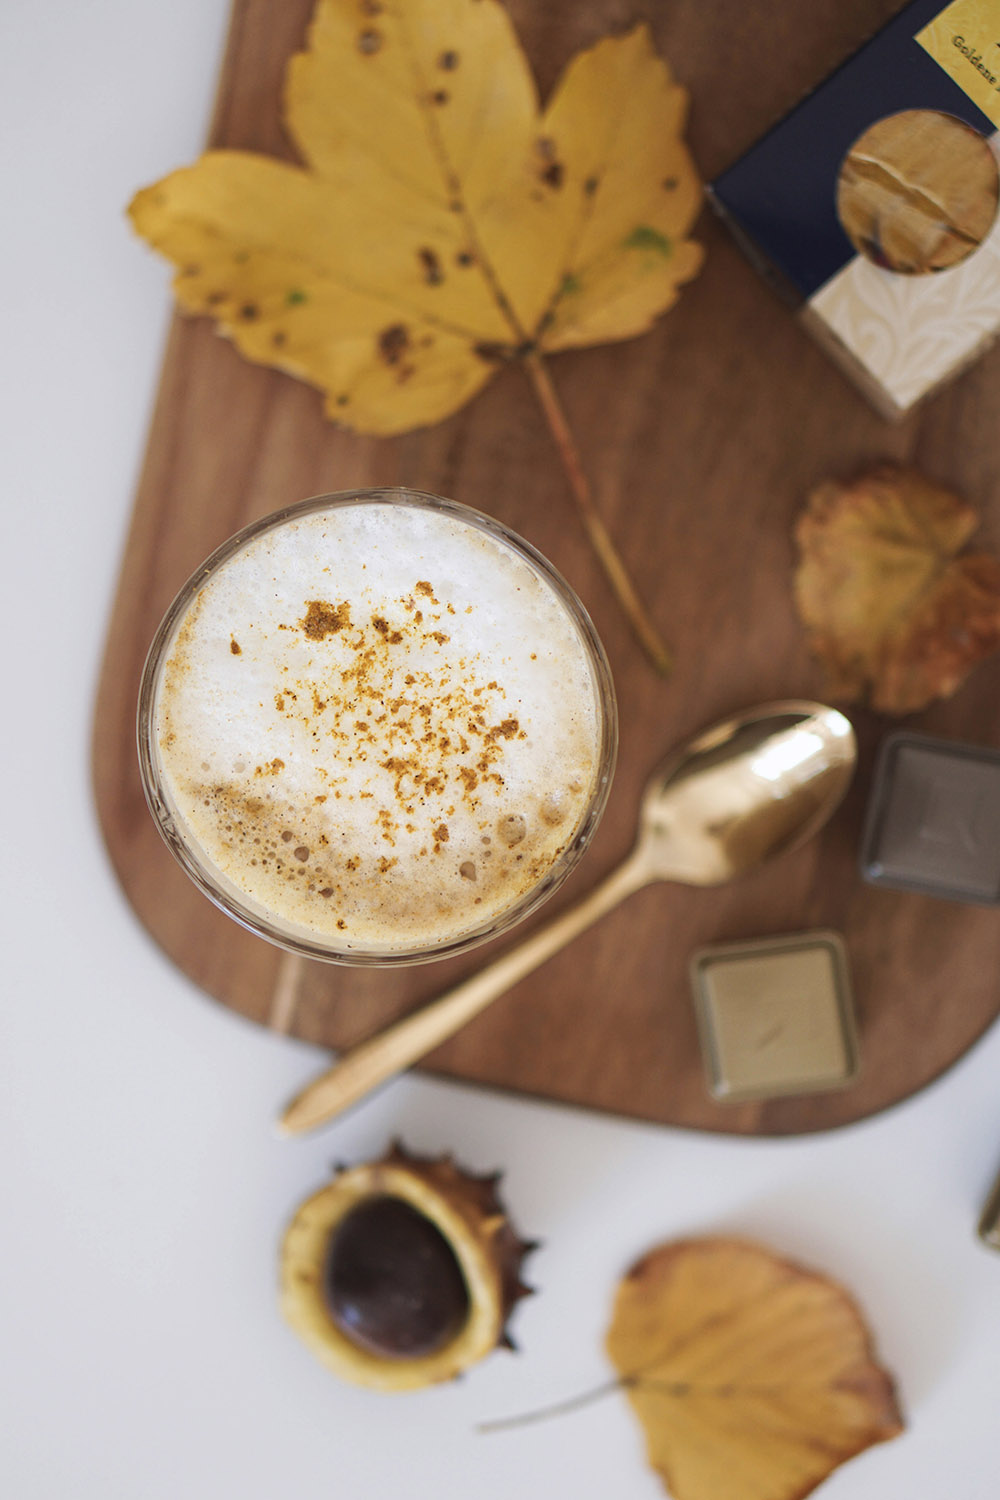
x=743, y=791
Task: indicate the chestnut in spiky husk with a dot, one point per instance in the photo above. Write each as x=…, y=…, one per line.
x=402, y=1272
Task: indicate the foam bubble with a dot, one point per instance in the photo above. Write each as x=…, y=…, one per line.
x=379, y=724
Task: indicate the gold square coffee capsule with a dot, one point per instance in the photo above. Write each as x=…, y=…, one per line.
x=775, y=1016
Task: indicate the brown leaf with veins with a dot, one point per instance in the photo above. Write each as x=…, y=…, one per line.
x=891, y=609
x=753, y=1378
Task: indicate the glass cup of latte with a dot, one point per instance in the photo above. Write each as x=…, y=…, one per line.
x=377, y=728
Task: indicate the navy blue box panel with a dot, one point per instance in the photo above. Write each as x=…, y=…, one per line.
x=782, y=194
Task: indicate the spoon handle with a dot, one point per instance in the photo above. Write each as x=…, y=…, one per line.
x=382, y=1056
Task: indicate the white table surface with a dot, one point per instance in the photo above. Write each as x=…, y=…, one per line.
x=143, y=1190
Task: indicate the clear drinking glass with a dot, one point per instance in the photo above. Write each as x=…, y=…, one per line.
x=461, y=530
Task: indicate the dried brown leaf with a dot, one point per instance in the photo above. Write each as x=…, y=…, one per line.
x=752, y=1377
x=891, y=609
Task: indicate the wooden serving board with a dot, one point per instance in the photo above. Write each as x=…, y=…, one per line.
x=702, y=438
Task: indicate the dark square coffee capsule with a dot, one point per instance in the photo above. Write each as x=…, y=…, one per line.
x=933, y=822
x=775, y=1016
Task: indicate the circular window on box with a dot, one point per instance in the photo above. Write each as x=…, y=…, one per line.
x=918, y=192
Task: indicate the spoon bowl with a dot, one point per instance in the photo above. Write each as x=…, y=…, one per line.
x=752, y=787
x=744, y=791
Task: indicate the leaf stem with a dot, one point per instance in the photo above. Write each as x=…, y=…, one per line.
x=607, y=553
x=558, y=1409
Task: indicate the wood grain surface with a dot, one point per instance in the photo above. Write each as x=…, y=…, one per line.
x=702, y=438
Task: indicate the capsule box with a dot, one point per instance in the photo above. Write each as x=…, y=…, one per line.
x=873, y=206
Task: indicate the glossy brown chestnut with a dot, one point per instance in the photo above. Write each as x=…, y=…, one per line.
x=392, y=1281
x=402, y=1272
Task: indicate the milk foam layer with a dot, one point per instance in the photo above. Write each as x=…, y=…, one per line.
x=379, y=724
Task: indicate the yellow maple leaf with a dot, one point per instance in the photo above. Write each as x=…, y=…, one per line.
x=892, y=610
x=441, y=223
x=752, y=1377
